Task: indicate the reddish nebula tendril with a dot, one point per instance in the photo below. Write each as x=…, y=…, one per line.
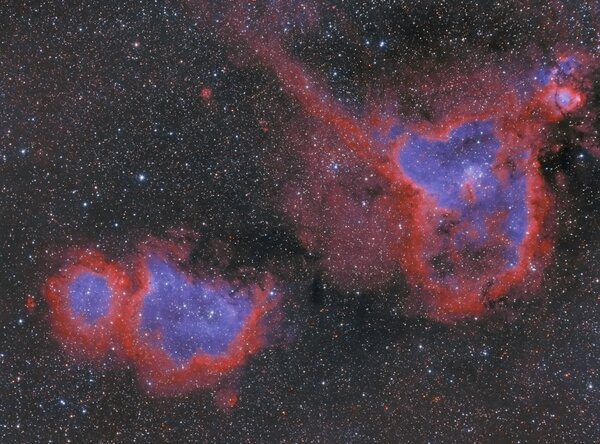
x=182, y=329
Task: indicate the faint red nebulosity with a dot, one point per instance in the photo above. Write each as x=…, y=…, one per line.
x=226, y=399
x=206, y=93
x=264, y=126
x=30, y=304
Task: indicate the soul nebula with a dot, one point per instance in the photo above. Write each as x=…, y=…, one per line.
x=182, y=329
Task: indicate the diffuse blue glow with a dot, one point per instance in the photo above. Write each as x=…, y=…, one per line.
x=90, y=296
x=565, y=68
x=564, y=98
x=190, y=317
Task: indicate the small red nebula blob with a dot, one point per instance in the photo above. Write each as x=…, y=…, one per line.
x=30, y=304
x=226, y=399
x=264, y=126
x=556, y=101
x=81, y=338
x=206, y=93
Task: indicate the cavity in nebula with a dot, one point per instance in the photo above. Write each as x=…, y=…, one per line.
x=460, y=173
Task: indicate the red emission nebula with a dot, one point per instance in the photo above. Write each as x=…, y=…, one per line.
x=464, y=212
x=461, y=193
x=456, y=202
x=182, y=328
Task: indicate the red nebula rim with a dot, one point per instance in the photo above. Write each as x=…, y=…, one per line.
x=92, y=341
x=158, y=372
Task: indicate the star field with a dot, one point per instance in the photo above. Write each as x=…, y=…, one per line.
x=253, y=147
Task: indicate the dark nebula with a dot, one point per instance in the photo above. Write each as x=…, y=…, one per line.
x=300, y=221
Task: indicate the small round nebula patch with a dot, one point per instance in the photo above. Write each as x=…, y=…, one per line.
x=84, y=298
x=90, y=296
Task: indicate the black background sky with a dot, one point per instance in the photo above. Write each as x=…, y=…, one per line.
x=104, y=138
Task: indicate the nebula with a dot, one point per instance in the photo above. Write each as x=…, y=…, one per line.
x=210, y=328
x=461, y=205
x=478, y=226
x=84, y=298
x=469, y=190
x=188, y=331
x=182, y=330
x=90, y=296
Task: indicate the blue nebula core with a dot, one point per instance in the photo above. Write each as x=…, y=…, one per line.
x=444, y=168
x=190, y=317
x=564, y=99
x=90, y=296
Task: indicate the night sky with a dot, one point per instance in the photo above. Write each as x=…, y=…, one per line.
x=321, y=284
